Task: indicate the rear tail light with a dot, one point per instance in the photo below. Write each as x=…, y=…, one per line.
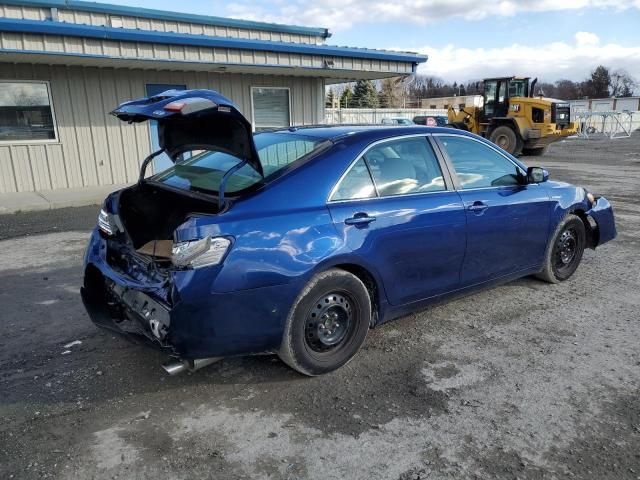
x=189, y=105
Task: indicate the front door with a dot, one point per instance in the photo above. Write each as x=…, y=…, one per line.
x=397, y=210
x=161, y=162
x=507, y=221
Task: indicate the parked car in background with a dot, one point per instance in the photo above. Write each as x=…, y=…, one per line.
x=299, y=241
x=396, y=121
x=431, y=120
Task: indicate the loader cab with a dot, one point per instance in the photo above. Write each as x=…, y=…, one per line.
x=497, y=92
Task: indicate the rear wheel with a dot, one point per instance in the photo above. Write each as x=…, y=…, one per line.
x=505, y=138
x=565, y=250
x=327, y=323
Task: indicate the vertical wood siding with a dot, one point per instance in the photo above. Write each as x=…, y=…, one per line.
x=94, y=148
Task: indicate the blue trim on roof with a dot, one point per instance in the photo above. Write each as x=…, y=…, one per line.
x=170, y=16
x=339, y=72
x=48, y=27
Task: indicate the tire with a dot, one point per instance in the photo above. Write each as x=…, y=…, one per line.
x=340, y=301
x=535, y=152
x=505, y=138
x=561, y=262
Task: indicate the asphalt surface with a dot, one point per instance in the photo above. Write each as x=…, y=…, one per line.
x=527, y=380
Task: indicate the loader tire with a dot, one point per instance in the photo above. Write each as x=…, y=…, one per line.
x=505, y=137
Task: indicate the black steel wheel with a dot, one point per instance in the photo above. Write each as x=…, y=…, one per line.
x=327, y=324
x=565, y=250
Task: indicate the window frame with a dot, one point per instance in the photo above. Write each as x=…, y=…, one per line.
x=46, y=141
x=253, y=115
x=452, y=171
x=449, y=184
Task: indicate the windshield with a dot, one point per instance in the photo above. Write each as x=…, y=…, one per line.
x=202, y=171
x=518, y=88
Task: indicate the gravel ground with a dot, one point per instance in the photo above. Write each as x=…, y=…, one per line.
x=527, y=380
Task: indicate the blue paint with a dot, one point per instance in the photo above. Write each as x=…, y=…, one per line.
x=421, y=248
x=169, y=16
x=146, y=36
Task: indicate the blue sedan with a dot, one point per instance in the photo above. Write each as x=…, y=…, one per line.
x=298, y=241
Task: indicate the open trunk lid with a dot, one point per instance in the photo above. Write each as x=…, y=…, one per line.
x=195, y=119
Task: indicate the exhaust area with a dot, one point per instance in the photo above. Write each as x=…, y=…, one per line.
x=177, y=366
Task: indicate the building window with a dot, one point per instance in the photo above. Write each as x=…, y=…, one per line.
x=26, y=113
x=271, y=108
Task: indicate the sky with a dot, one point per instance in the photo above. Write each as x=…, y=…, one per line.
x=464, y=39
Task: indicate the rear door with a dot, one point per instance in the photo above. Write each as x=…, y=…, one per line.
x=507, y=221
x=397, y=209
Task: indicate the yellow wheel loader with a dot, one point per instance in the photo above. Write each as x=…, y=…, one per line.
x=515, y=120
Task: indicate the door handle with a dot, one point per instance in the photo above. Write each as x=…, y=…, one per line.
x=478, y=207
x=360, y=220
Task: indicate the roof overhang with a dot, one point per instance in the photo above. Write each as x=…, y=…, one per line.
x=54, y=42
x=331, y=76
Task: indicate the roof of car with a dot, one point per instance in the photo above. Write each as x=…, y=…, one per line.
x=334, y=132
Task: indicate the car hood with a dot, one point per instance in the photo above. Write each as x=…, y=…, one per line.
x=195, y=120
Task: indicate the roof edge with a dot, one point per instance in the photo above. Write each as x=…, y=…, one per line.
x=155, y=14
x=48, y=27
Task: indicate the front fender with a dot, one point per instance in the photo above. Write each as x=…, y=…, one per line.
x=605, y=224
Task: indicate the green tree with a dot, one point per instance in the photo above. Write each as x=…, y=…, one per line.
x=346, y=99
x=330, y=99
x=598, y=85
x=365, y=95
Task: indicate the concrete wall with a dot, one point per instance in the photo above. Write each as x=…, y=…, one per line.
x=445, y=102
x=375, y=115
x=94, y=148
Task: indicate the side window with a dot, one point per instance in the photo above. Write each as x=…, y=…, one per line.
x=478, y=165
x=356, y=184
x=405, y=166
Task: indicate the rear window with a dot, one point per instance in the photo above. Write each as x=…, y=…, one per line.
x=202, y=171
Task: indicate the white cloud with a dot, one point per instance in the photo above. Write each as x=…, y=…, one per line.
x=549, y=62
x=342, y=14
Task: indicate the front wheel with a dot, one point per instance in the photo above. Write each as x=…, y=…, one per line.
x=565, y=250
x=505, y=138
x=327, y=323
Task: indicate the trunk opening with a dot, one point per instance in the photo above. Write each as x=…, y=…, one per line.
x=149, y=212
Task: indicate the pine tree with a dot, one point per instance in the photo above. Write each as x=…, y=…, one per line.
x=330, y=99
x=346, y=99
x=365, y=95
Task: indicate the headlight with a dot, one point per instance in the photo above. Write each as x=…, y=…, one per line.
x=106, y=223
x=200, y=253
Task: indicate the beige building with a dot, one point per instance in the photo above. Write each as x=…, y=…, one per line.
x=64, y=64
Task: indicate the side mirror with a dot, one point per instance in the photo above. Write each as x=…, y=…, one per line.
x=537, y=175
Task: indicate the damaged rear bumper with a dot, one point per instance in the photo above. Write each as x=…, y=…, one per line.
x=183, y=314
